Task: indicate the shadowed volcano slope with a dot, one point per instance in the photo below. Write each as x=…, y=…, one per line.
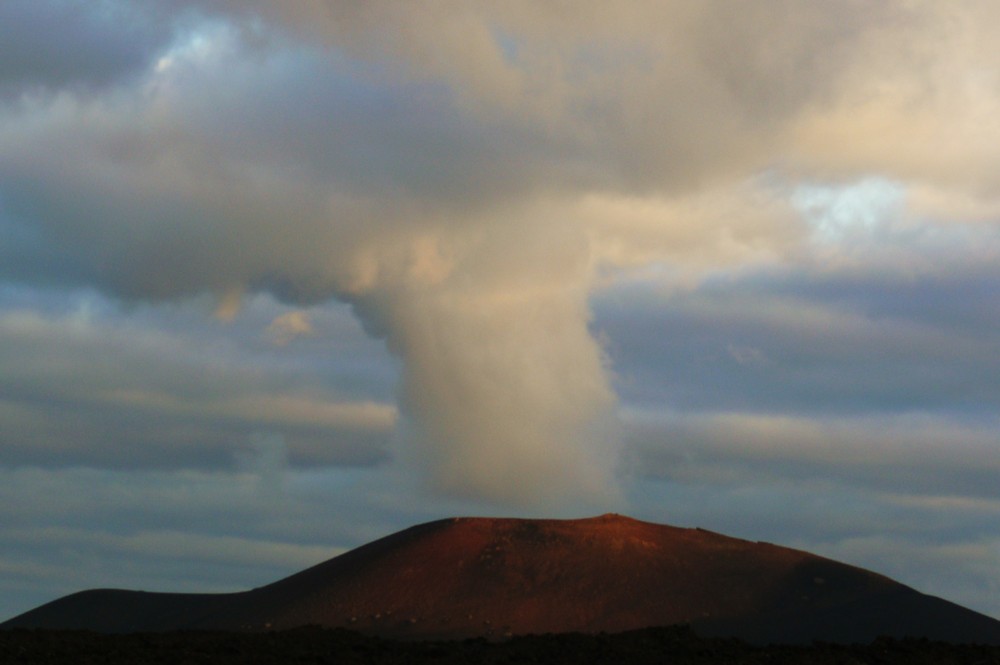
x=470, y=577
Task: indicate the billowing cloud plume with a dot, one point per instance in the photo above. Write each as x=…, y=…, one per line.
x=505, y=388
x=461, y=174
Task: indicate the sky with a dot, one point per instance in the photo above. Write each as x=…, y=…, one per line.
x=279, y=278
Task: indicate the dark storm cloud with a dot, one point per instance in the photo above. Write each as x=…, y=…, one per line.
x=76, y=44
x=162, y=194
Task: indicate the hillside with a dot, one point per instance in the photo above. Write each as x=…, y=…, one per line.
x=496, y=578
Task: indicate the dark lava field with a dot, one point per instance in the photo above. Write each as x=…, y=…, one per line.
x=673, y=645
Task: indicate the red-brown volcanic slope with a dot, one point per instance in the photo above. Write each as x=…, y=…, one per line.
x=471, y=577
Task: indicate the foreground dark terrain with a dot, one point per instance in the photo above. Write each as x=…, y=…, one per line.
x=315, y=645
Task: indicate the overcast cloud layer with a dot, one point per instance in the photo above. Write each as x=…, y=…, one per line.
x=280, y=277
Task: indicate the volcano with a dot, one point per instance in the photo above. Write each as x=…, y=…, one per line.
x=477, y=577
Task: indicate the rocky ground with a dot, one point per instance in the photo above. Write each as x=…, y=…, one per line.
x=676, y=645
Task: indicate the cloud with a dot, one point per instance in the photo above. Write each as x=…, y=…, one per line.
x=219, y=225
x=288, y=326
x=738, y=225
x=901, y=319
x=70, y=529
x=505, y=359
x=905, y=454
x=464, y=175
x=947, y=550
x=966, y=567
x=183, y=545
x=917, y=107
x=49, y=46
x=99, y=387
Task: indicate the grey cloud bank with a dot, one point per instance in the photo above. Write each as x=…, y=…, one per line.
x=307, y=259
